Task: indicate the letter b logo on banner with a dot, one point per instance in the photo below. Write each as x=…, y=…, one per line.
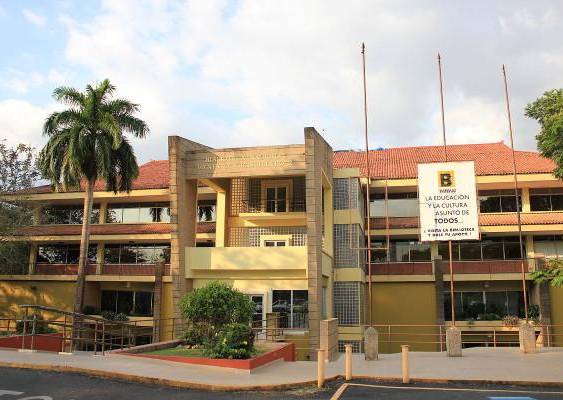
x=446, y=178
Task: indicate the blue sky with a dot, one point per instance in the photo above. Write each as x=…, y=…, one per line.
x=236, y=73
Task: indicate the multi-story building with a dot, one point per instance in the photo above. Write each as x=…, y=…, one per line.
x=287, y=226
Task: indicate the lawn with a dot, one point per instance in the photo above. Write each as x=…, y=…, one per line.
x=183, y=352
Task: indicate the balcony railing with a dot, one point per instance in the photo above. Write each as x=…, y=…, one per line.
x=273, y=206
x=106, y=269
x=487, y=267
x=402, y=268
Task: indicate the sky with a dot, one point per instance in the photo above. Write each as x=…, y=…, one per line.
x=246, y=73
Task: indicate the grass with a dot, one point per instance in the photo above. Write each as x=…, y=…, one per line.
x=183, y=352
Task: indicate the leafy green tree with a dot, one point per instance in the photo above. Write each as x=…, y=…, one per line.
x=548, y=111
x=18, y=171
x=211, y=307
x=551, y=272
x=87, y=143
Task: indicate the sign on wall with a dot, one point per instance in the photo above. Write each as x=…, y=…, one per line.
x=448, y=201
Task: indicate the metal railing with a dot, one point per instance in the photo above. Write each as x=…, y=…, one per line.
x=273, y=206
x=433, y=337
x=91, y=269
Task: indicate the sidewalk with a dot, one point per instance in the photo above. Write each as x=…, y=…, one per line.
x=480, y=364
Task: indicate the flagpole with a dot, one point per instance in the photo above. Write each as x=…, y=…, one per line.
x=515, y=175
x=446, y=159
x=368, y=173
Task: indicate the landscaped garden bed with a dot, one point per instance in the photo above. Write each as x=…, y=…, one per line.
x=217, y=333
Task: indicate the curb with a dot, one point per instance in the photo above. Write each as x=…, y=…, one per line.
x=283, y=386
x=161, y=381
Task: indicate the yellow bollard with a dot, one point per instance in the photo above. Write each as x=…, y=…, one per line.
x=320, y=368
x=348, y=362
x=405, y=363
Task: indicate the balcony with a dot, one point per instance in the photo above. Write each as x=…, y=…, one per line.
x=72, y=269
x=487, y=267
x=273, y=207
x=246, y=258
x=402, y=268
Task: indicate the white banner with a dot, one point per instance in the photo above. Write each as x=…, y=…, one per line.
x=448, y=201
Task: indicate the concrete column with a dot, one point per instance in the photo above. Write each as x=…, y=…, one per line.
x=525, y=199
x=100, y=256
x=32, y=258
x=221, y=219
x=103, y=212
x=157, y=302
x=453, y=342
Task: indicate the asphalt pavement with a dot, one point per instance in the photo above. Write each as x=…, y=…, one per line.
x=20, y=384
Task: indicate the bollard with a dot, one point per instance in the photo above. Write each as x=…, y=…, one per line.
x=405, y=363
x=320, y=368
x=348, y=362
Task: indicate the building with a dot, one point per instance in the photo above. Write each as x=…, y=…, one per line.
x=287, y=226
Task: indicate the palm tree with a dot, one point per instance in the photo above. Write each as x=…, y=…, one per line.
x=87, y=144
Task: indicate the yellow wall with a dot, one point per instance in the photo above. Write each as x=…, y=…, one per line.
x=53, y=294
x=409, y=303
x=556, y=297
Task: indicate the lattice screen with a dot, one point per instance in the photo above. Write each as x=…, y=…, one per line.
x=250, y=237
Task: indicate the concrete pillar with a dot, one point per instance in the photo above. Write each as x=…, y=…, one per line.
x=100, y=256
x=329, y=337
x=453, y=342
x=157, y=302
x=103, y=212
x=32, y=258
x=221, y=219
x=527, y=338
x=371, y=344
x=525, y=199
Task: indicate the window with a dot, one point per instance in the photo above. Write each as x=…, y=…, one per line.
x=490, y=248
x=136, y=253
x=497, y=201
x=68, y=215
x=550, y=246
x=276, y=195
x=206, y=211
x=138, y=213
x=398, y=205
x=484, y=305
x=274, y=243
x=64, y=254
x=293, y=307
x=548, y=199
x=401, y=251
x=127, y=302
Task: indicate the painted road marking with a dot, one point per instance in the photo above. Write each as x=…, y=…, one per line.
x=344, y=386
x=511, y=398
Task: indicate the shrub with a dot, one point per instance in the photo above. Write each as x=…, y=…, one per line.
x=197, y=335
x=211, y=307
x=234, y=341
x=510, y=320
x=112, y=316
x=534, y=313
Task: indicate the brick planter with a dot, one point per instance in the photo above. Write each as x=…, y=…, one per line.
x=276, y=351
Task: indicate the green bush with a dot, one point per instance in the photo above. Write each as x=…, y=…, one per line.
x=234, y=341
x=197, y=335
x=211, y=307
x=113, y=316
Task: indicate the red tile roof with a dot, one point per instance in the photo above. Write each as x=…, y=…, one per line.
x=490, y=159
x=152, y=175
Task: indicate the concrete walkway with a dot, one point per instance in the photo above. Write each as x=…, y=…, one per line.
x=480, y=364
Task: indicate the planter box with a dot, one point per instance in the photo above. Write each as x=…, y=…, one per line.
x=276, y=351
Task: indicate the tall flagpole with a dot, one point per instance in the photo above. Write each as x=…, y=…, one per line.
x=515, y=174
x=446, y=159
x=368, y=173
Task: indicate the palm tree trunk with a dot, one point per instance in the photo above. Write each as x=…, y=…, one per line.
x=84, y=243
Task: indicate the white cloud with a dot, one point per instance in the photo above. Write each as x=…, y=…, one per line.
x=34, y=17
x=264, y=70
x=22, y=122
